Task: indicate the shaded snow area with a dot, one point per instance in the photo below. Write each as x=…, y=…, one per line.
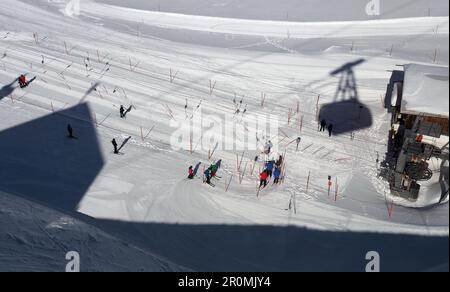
x=37, y=239
x=209, y=67
x=291, y=10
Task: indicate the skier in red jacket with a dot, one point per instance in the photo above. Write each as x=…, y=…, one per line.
x=191, y=172
x=264, y=176
x=22, y=81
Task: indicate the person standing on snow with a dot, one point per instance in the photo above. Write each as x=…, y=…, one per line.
x=114, y=142
x=279, y=162
x=299, y=139
x=22, y=81
x=263, y=176
x=122, y=112
x=70, y=131
x=323, y=125
x=207, y=174
x=269, y=168
x=191, y=172
x=213, y=169
x=276, y=175
x=268, y=147
x=330, y=129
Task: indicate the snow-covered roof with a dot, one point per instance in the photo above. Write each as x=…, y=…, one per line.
x=426, y=90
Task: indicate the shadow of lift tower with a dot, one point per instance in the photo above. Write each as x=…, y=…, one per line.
x=346, y=112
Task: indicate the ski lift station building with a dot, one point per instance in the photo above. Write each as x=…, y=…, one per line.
x=420, y=134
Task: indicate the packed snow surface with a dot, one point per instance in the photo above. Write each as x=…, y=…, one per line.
x=137, y=211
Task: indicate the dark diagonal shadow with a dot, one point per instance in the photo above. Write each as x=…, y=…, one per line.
x=89, y=91
x=31, y=80
x=8, y=89
x=196, y=168
x=124, y=143
x=40, y=162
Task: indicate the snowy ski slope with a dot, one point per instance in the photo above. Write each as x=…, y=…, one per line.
x=88, y=65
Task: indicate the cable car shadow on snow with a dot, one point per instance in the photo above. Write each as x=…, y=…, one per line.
x=346, y=113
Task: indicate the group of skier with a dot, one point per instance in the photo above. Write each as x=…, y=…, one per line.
x=272, y=168
x=123, y=114
x=323, y=126
x=208, y=174
x=23, y=82
x=70, y=132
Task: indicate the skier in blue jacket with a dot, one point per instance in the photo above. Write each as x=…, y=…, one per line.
x=207, y=174
x=269, y=167
x=276, y=175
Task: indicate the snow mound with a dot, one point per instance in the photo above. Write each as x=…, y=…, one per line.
x=426, y=90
